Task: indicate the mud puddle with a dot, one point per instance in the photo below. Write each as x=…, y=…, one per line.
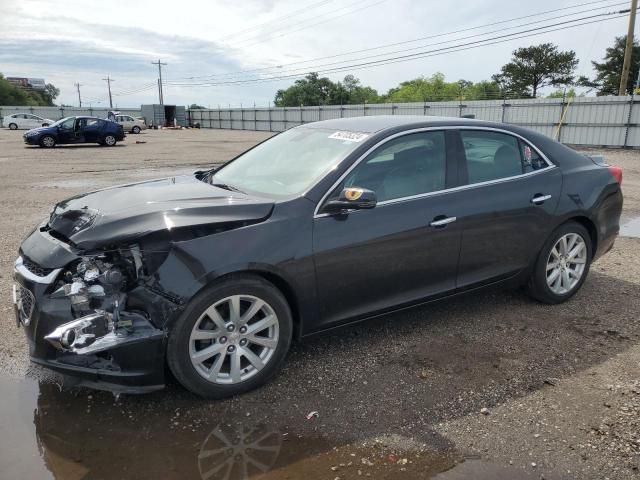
x=47, y=431
x=631, y=228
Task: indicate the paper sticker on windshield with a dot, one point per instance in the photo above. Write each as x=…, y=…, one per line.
x=349, y=136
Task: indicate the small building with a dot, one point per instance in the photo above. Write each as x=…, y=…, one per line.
x=164, y=115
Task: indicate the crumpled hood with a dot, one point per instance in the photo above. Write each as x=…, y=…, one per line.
x=127, y=212
x=40, y=130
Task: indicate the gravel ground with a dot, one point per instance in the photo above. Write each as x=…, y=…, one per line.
x=398, y=395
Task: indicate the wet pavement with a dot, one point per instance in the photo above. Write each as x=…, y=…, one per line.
x=53, y=432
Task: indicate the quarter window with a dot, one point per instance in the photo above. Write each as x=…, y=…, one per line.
x=409, y=165
x=491, y=155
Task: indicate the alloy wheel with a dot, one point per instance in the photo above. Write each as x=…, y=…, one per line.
x=48, y=141
x=110, y=140
x=566, y=263
x=234, y=339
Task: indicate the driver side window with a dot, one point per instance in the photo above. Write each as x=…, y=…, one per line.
x=405, y=166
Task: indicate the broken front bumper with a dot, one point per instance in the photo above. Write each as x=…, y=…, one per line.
x=131, y=362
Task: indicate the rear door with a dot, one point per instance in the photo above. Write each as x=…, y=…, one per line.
x=92, y=130
x=505, y=205
x=32, y=121
x=393, y=254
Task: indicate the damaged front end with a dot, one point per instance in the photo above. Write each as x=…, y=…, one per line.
x=88, y=320
x=99, y=284
x=97, y=291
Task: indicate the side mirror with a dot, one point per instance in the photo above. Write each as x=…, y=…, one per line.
x=352, y=198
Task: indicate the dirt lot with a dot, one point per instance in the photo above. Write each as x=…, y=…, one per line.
x=399, y=397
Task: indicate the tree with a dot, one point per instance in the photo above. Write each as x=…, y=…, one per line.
x=535, y=67
x=607, y=80
x=195, y=106
x=435, y=88
x=563, y=93
x=315, y=90
x=11, y=94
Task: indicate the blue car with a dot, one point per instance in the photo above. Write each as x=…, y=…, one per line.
x=72, y=130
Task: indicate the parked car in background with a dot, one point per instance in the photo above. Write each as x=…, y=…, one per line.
x=211, y=275
x=131, y=124
x=25, y=121
x=76, y=130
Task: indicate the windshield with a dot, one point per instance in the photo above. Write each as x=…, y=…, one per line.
x=61, y=121
x=289, y=163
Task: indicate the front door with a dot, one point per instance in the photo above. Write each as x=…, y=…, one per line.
x=506, y=213
x=399, y=252
x=66, y=131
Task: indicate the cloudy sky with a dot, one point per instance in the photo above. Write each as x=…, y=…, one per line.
x=214, y=48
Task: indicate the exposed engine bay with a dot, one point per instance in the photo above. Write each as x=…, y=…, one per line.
x=97, y=288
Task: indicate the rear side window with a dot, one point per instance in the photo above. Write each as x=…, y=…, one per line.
x=531, y=160
x=491, y=155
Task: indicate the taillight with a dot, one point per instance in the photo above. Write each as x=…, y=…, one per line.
x=617, y=174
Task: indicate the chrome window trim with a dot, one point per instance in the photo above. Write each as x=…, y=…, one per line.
x=20, y=269
x=550, y=166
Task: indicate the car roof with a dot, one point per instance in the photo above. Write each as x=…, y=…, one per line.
x=377, y=123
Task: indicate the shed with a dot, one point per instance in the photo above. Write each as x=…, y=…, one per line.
x=164, y=115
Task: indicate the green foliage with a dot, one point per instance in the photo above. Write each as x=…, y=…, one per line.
x=607, y=80
x=535, y=67
x=314, y=90
x=435, y=88
x=195, y=106
x=560, y=93
x=10, y=94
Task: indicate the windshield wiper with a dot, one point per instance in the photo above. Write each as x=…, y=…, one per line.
x=231, y=188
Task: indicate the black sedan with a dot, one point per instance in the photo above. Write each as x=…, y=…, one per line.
x=73, y=130
x=323, y=225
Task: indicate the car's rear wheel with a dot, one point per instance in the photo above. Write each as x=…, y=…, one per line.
x=136, y=129
x=562, y=265
x=45, y=124
x=13, y=126
x=47, y=141
x=109, y=140
x=231, y=338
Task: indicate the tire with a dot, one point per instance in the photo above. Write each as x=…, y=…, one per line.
x=48, y=141
x=13, y=126
x=45, y=124
x=229, y=343
x=135, y=130
x=109, y=140
x=548, y=283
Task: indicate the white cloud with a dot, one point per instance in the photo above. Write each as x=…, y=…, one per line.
x=199, y=37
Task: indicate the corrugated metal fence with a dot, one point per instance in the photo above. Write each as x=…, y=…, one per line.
x=588, y=121
x=56, y=113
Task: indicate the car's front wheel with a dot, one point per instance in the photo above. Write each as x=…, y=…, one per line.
x=562, y=265
x=109, y=140
x=13, y=126
x=136, y=129
x=47, y=141
x=231, y=338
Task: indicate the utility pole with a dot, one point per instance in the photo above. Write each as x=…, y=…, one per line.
x=160, y=96
x=109, y=80
x=77, y=85
x=626, y=66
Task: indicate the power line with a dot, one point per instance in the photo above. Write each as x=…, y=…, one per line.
x=312, y=23
x=501, y=22
x=424, y=54
x=287, y=17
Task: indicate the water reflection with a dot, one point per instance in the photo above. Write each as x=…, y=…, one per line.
x=49, y=432
x=236, y=452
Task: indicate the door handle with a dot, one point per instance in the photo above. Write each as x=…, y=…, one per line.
x=442, y=222
x=540, y=199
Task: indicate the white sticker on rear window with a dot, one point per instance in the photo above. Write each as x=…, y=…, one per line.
x=349, y=136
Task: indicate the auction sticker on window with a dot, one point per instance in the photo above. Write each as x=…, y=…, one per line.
x=349, y=136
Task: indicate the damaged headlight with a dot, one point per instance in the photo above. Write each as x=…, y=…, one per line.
x=96, y=287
